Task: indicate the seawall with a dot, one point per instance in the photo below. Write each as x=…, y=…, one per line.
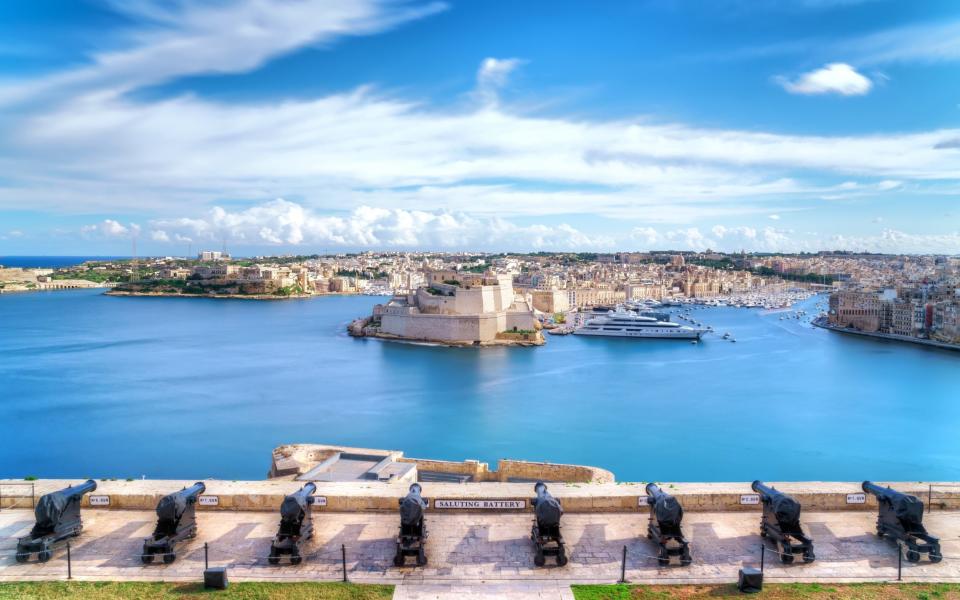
x=575, y=497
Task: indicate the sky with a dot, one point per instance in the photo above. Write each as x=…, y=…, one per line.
x=302, y=126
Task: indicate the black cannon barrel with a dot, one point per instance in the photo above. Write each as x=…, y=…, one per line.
x=908, y=508
x=546, y=507
x=654, y=490
x=51, y=506
x=412, y=505
x=172, y=505
x=762, y=488
x=879, y=491
x=296, y=503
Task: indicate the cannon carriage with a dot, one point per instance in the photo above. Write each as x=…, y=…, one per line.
x=176, y=522
x=545, y=533
x=413, y=531
x=781, y=523
x=664, y=528
x=900, y=517
x=296, y=526
x=58, y=518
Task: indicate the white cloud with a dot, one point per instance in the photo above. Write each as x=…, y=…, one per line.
x=175, y=39
x=834, y=78
x=492, y=75
x=773, y=217
x=282, y=223
x=109, y=228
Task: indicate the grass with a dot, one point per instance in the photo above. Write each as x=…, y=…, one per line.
x=129, y=590
x=773, y=591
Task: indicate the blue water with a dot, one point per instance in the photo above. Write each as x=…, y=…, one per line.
x=50, y=262
x=98, y=386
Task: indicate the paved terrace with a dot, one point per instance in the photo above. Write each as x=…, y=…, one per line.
x=475, y=548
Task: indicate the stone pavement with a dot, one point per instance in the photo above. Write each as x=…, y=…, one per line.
x=469, y=553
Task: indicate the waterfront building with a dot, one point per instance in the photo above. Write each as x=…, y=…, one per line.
x=457, y=307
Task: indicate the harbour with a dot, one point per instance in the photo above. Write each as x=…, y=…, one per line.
x=105, y=374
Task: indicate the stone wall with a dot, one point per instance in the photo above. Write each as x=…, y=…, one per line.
x=444, y=328
x=576, y=497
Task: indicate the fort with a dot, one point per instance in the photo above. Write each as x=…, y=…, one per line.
x=456, y=308
x=478, y=525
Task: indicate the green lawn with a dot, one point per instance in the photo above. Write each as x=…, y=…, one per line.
x=773, y=591
x=76, y=590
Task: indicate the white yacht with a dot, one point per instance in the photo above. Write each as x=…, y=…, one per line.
x=623, y=323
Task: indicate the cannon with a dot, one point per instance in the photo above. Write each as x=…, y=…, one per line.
x=296, y=525
x=413, y=531
x=546, y=534
x=901, y=517
x=781, y=522
x=176, y=521
x=663, y=527
x=58, y=518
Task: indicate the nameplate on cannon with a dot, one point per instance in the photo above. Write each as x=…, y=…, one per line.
x=319, y=500
x=856, y=498
x=209, y=500
x=749, y=498
x=99, y=500
x=482, y=504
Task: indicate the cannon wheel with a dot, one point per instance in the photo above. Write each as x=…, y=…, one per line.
x=686, y=559
x=421, y=557
x=808, y=556
x=295, y=559
x=22, y=557
x=146, y=558
x=169, y=557
x=913, y=556
x=935, y=557
x=44, y=555
x=273, y=559
x=561, y=557
x=538, y=558
x=398, y=559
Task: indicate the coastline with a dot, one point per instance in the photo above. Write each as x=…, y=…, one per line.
x=358, y=328
x=823, y=324
x=213, y=296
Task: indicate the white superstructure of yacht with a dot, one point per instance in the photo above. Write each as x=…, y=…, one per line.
x=624, y=323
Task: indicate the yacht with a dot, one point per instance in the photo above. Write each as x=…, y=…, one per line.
x=623, y=323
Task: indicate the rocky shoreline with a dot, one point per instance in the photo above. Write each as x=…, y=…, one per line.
x=214, y=296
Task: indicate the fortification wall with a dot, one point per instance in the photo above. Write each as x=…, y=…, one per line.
x=576, y=497
x=444, y=328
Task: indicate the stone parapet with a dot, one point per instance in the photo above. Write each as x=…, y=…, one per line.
x=377, y=496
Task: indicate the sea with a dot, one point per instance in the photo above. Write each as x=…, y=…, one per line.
x=50, y=262
x=113, y=387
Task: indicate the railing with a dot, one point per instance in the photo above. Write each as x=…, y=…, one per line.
x=945, y=496
x=18, y=500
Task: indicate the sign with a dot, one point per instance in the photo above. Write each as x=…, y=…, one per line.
x=209, y=501
x=99, y=500
x=856, y=498
x=482, y=504
x=750, y=499
x=319, y=500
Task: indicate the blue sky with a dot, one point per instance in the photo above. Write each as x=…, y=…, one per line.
x=320, y=125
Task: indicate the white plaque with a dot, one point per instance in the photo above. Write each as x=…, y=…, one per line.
x=856, y=498
x=99, y=500
x=482, y=504
x=319, y=500
x=750, y=499
x=209, y=500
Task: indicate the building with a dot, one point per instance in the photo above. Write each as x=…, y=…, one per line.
x=550, y=301
x=457, y=307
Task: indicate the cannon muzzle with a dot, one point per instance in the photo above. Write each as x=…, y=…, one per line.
x=84, y=488
x=654, y=491
x=878, y=491
x=762, y=488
